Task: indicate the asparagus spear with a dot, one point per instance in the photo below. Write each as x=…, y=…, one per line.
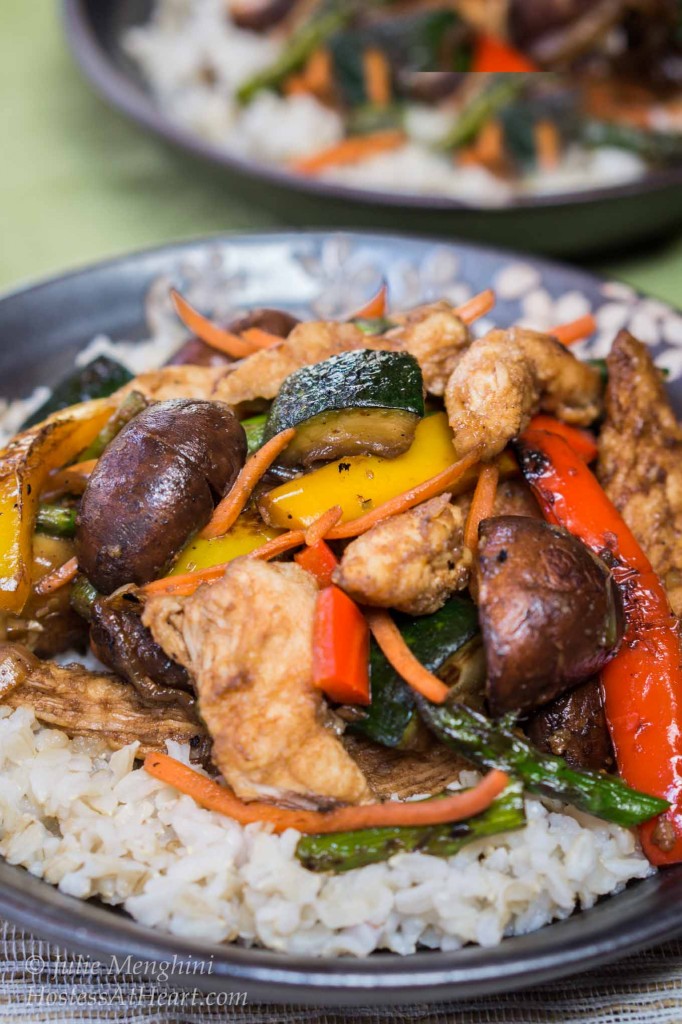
x=56, y=520
x=502, y=90
x=343, y=851
x=496, y=745
x=310, y=36
x=131, y=405
x=83, y=596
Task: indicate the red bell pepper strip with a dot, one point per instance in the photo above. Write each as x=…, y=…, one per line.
x=340, y=648
x=643, y=683
x=581, y=441
x=319, y=560
x=493, y=54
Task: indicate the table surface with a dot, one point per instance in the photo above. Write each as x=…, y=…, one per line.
x=78, y=184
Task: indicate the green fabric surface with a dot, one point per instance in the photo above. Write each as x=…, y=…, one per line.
x=78, y=182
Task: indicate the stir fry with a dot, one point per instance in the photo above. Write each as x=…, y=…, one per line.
x=342, y=560
x=387, y=67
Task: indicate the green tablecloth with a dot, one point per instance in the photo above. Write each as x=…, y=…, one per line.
x=80, y=183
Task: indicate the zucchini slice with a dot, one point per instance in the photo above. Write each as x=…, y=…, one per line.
x=355, y=403
x=447, y=643
x=98, y=379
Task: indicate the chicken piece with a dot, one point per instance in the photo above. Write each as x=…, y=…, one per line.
x=261, y=375
x=247, y=641
x=412, y=562
x=186, y=381
x=505, y=378
x=97, y=705
x=436, y=337
x=640, y=459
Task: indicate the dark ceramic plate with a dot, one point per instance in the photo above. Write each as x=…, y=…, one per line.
x=329, y=275
x=577, y=223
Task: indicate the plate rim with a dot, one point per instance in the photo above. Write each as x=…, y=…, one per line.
x=118, y=90
x=276, y=977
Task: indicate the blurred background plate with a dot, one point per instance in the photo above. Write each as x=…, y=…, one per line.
x=326, y=275
x=577, y=224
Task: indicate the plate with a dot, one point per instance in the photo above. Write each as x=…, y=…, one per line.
x=574, y=224
x=41, y=330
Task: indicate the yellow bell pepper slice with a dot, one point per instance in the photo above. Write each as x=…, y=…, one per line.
x=247, y=534
x=360, y=483
x=24, y=468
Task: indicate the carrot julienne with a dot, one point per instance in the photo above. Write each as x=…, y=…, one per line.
x=577, y=330
x=399, y=655
x=376, y=307
x=214, y=797
x=278, y=545
x=477, y=306
x=408, y=499
x=257, y=338
x=57, y=578
x=350, y=151
x=215, y=336
x=323, y=524
x=482, y=505
x=226, y=513
x=548, y=145
x=71, y=480
x=377, y=74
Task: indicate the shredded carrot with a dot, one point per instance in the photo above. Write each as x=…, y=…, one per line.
x=57, y=578
x=377, y=74
x=399, y=655
x=184, y=584
x=376, y=307
x=548, y=145
x=72, y=480
x=296, y=85
x=482, y=504
x=278, y=545
x=349, y=151
x=214, y=797
x=568, y=334
x=318, y=75
x=489, y=146
x=215, y=336
x=407, y=500
x=323, y=524
x=225, y=514
x=477, y=306
x=256, y=337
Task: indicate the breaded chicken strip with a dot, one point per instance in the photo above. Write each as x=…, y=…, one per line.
x=247, y=642
x=505, y=378
x=640, y=459
x=412, y=562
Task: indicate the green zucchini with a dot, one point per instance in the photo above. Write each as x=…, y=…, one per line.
x=343, y=851
x=654, y=146
x=354, y=403
x=447, y=643
x=98, y=379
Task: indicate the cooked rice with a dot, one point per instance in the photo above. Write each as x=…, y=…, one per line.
x=84, y=819
x=194, y=60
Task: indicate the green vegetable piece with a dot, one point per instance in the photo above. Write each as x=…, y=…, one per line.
x=364, y=401
x=344, y=851
x=56, y=520
x=129, y=408
x=490, y=744
x=98, y=379
x=254, y=428
x=310, y=36
x=655, y=147
x=373, y=326
x=447, y=643
x=83, y=595
x=502, y=90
